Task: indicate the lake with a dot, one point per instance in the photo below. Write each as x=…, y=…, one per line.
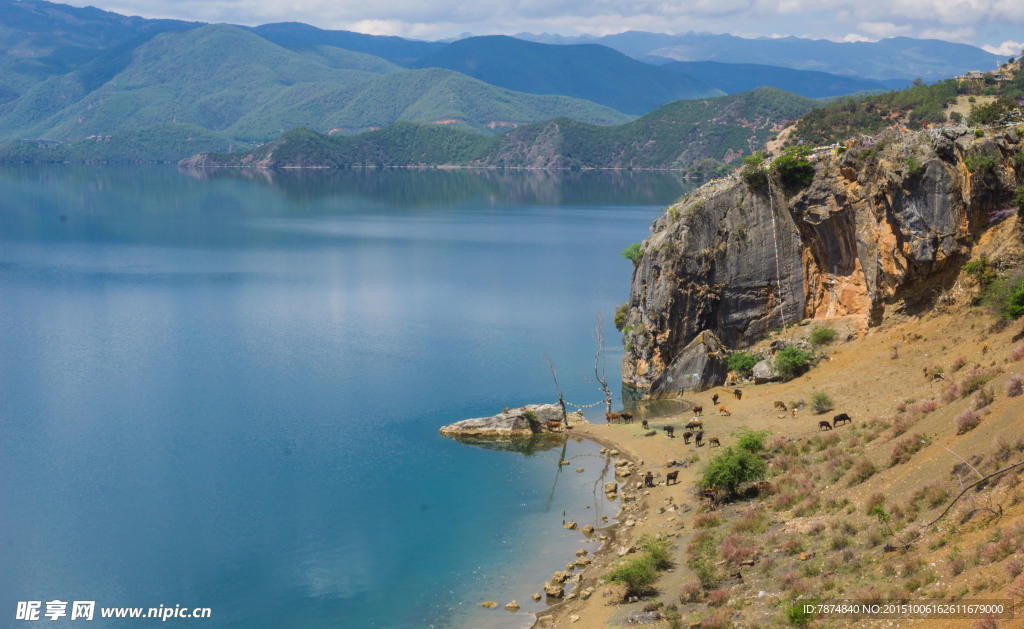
x=225, y=390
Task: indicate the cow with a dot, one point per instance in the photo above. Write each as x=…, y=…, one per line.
x=627, y=417
x=694, y=423
x=780, y=406
x=686, y=437
x=824, y=425
x=698, y=439
x=648, y=480
x=723, y=411
x=670, y=431
x=554, y=425
x=611, y=417
x=714, y=442
x=737, y=393
x=643, y=422
x=840, y=418
x=794, y=413
x=672, y=477
x=714, y=399
x=697, y=410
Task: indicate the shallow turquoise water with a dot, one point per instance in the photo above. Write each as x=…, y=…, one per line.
x=225, y=392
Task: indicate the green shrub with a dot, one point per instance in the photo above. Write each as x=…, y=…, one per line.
x=533, y=420
x=1004, y=297
x=633, y=253
x=864, y=470
x=743, y=363
x=752, y=440
x=821, y=402
x=636, y=574
x=914, y=166
x=794, y=169
x=657, y=551
x=981, y=163
x=797, y=614
x=791, y=361
x=732, y=468
x=822, y=335
x=753, y=173
x=956, y=117
x=982, y=270
x=639, y=572
x=621, y=315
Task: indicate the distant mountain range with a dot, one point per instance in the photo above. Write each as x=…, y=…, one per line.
x=587, y=71
x=732, y=78
x=893, y=58
x=164, y=89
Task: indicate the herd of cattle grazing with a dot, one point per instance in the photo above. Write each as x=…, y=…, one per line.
x=695, y=427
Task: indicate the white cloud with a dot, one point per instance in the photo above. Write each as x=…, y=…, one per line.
x=881, y=30
x=839, y=20
x=1008, y=48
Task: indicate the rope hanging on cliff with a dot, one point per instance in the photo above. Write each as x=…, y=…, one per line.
x=775, y=240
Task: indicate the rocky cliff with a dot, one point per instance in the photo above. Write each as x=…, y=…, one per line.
x=887, y=222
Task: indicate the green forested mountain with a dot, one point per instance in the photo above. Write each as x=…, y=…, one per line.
x=244, y=89
x=299, y=37
x=678, y=135
x=591, y=72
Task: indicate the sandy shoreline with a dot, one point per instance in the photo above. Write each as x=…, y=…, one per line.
x=639, y=515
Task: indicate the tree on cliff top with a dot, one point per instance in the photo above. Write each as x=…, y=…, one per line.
x=793, y=168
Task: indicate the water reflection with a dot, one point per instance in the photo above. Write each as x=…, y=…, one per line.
x=437, y=188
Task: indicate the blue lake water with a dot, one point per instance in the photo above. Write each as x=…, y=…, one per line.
x=225, y=392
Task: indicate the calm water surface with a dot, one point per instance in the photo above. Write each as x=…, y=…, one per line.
x=225, y=392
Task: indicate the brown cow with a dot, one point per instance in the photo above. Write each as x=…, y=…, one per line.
x=737, y=393
x=627, y=417
x=554, y=425
x=823, y=424
x=780, y=406
x=672, y=477
x=670, y=431
x=714, y=399
x=611, y=417
x=697, y=410
x=643, y=422
x=694, y=423
x=723, y=411
x=714, y=442
x=686, y=437
x=794, y=412
x=648, y=480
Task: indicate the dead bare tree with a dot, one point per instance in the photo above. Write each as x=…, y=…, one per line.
x=601, y=378
x=561, y=400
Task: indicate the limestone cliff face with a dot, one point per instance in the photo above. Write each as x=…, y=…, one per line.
x=876, y=227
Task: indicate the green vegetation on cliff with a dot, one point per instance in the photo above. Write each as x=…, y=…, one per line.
x=915, y=107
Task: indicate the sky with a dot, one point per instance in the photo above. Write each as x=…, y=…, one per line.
x=995, y=25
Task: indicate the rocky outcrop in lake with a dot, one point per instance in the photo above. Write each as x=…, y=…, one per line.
x=884, y=224
x=513, y=423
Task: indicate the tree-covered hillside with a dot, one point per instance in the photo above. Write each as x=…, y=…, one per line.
x=915, y=107
x=680, y=135
x=591, y=72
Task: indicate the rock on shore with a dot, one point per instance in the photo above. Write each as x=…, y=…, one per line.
x=510, y=424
